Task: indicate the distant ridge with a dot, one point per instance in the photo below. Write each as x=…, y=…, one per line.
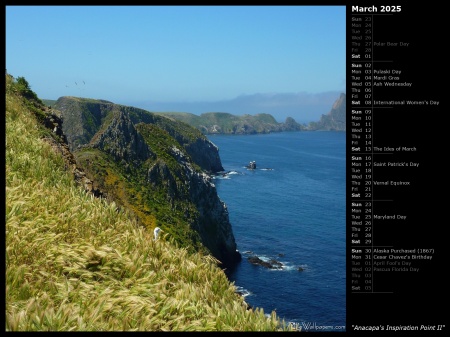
x=226, y=123
x=303, y=106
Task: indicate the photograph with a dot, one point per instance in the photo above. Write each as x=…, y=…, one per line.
x=222, y=168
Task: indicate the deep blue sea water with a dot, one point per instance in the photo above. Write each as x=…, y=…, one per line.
x=290, y=208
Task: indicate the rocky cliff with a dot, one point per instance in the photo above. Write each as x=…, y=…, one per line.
x=155, y=167
x=122, y=141
x=333, y=121
x=213, y=219
x=84, y=117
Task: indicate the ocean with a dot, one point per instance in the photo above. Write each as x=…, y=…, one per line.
x=291, y=208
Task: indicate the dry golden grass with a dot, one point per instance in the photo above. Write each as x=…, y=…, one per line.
x=76, y=263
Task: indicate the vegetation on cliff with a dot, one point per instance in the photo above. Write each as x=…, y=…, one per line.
x=79, y=263
x=155, y=167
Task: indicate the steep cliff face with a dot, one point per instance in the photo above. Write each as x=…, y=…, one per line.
x=213, y=223
x=155, y=167
x=335, y=120
x=82, y=118
x=217, y=235
x=202, y=151
x=205, y=154
x=121, y=140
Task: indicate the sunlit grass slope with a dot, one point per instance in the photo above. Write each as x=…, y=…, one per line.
x=75, y=262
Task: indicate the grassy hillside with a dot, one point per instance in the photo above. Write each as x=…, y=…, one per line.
x=78, y=263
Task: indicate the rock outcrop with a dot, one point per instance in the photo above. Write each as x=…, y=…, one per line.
x=335, y=120
x=271, y=264
x=205, y=154
x=121, y=140
x=291, y=125
x=82, y=118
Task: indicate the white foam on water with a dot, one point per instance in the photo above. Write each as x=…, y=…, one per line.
x=233, y=172
x=243, y=292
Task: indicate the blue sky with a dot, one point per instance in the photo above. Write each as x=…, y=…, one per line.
x=178, y=54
